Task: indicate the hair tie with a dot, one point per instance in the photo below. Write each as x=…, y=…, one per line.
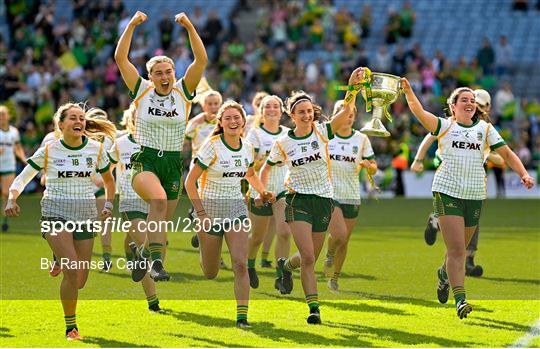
x=303, y=99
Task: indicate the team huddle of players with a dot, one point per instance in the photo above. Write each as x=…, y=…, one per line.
x=303, y=181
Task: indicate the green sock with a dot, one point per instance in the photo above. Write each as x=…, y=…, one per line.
x=443, y=275
x=152, y=300
x=313, y=302
x=71, y=322
x=278, y=273
x=129, y=254
x=155, y=250
x=251, y=263
x=264, y=256
x=336, y=276
x=241, y=312
x=145, y=252
x=459, y=293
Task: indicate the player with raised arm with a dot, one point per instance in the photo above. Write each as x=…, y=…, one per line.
x=309, y=201
x=162, y=109
x=459, y=186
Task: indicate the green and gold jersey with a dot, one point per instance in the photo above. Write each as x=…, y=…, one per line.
x=462, y=149
x=160, y=121
x=307, y=160
x=346, y=154
x=8, y=139
x=262, y=141
x=120, y=153
x=198, y=130
x=224, y=167
x=69, y=192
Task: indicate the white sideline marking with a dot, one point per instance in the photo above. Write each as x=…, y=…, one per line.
x=528, y=337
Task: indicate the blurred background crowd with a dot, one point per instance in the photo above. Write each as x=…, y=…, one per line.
x=52, y=52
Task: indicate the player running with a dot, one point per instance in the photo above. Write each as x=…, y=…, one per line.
x=221, y=163
x=309, y=202
x=350, y=151
x=132, y=208
x=459, y=186
x=262, y=138
x=162, y=108
x=68, y=164
x=10, y=148
x=483, y=107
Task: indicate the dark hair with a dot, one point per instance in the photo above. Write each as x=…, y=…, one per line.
x=300, y=96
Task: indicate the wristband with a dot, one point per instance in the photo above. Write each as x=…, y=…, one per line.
x=418, y=159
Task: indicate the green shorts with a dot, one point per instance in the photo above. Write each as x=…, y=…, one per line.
x=131, y=215
x=99, y=192
x=81, y=234
x=167, y=167
x=470, y=210
x=349, y=211
x=5, y=173
x=220, y=229
x=265, y=210
x=309, y=208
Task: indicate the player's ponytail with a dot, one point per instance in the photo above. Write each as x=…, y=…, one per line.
x=98, y=125
x=128, y=119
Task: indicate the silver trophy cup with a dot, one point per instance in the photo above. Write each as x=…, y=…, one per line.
x=385, y=89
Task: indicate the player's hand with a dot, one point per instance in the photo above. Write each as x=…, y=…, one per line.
x=527, y=181
x=107, y=211
x=268, y=197
x=105, y=214
x=138, y=18
x=406, y=86
x=417, y=166
x=356, y=76
x=258, y=201
x=183, y=20
x=12, y=209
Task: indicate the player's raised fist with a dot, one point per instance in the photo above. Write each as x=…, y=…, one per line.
x=138, y=18
x=182, y=19
x=356, y=76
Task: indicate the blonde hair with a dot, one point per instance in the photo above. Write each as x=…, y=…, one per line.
x=157, y=59
x=259, y=118
x=300, y=96
x=228, y=105
x=128, y=119
x=4, y=109
x=211, y=93
x=257, y=99
x=97, y=127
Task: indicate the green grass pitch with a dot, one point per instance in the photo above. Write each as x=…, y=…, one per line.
x=388, y=291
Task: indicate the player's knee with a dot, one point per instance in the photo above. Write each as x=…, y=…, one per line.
x=159, y=205
x=71, y=276
x=210, y=274
x=308, y=260
x=283, y=231
x=256, y=239
x=239, y=267
x=456, y=252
